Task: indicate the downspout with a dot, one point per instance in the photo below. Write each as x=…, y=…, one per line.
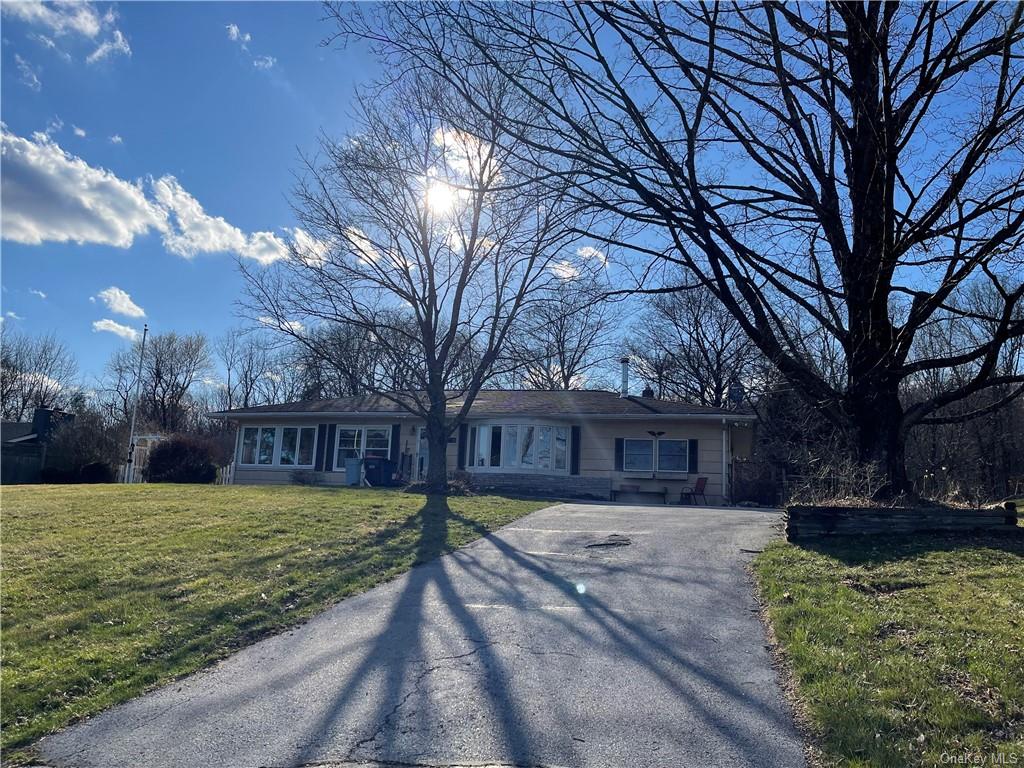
x=725, y=462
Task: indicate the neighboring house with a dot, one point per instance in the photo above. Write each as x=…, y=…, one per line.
x=575, y=443
x=36, y=432
x=25, y=446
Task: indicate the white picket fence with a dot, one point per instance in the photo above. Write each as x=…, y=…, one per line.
x=226, y=474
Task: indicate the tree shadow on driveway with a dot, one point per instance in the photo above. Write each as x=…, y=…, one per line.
x=400, y=681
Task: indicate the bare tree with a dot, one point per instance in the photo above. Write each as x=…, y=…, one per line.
x=430, y=240
x=172, y=365
x=837, y=168
x=689, y=347
x=34, y=372
x=247, y=360
x=564, y=341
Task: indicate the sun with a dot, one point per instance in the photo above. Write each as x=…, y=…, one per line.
x=440, y=196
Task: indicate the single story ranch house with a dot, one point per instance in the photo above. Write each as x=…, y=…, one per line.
x=563, y=443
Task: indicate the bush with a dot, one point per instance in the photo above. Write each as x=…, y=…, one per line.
x=62, y=474
x=182, y=459
x=97, y=472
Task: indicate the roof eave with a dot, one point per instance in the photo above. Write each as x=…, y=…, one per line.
x=229, y=415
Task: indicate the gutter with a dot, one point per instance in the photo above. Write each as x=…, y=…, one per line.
x=737, y=418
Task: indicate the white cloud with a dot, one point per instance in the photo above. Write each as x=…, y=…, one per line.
x=79, y=132
x=564, y=270
x=59, y=18
x=49, y=44
x=197, y=232
x=71, y=18
x=110, y=326
x=294, y=326
x=54, y=125
x=37, y=292
x=361, y=245
x=116, y=139
x=116, y=45
x=308, y=249
x=243, y=39
x=120, y=302
x=587, y=252
x=52, y=196
x=264, y=248
x=235, y=34
x=28, y=76
x=14, y=316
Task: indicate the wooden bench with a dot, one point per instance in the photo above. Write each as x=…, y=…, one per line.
x=663, y=493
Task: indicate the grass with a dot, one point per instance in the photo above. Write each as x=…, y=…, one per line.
x=905, y=651
x=111, y=590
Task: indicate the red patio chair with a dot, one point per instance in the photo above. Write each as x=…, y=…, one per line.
x=690, y=496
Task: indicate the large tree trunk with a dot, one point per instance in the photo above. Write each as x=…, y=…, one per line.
x=437, y=447
x=880, y=439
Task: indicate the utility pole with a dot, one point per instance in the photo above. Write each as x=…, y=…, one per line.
x=128, y=467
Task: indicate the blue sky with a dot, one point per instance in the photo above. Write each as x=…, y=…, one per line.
x=146, y=147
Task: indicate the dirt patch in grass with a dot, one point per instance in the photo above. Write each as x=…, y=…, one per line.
x=111, y=590
x=902, y=650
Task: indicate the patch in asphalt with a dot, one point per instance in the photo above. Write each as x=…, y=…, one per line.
x=614, y=540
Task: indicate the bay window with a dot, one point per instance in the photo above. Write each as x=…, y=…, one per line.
x=561, y=447
x=520, y=447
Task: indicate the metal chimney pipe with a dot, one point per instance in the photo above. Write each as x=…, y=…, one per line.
x=624, y=389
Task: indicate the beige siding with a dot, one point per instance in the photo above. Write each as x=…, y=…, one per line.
x=597, y=454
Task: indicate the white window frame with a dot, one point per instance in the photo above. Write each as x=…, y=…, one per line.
x=362, y=440
x=275, y=462
x=625, y=453
x=686, y=454
x=298, y=445
x=516, y=467
x=655, y=469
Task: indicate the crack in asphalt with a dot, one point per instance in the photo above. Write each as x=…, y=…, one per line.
x=481, y=644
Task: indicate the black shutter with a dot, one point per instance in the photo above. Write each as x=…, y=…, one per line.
x=332, y=444
x=321, y=447
x=462, y=446
x=620, y=448
x=692, y=455
x=472, y=447
x=574, y=452
x=396, y=442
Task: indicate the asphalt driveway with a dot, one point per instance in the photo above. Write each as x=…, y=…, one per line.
x=526, y=648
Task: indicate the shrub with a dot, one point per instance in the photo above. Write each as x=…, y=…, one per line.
x=97, y=472
x=181, y=459
x=61, y=474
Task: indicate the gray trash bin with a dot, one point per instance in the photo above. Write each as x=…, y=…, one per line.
x=353, y=471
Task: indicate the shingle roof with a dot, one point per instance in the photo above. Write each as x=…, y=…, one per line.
x=504, y=402
x=12, y=430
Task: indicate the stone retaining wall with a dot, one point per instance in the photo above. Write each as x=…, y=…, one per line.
x=804, y=521
x=554, y=486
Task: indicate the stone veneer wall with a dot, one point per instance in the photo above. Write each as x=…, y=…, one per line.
x=556, y=486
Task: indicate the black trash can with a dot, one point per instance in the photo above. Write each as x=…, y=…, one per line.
x=379, y=471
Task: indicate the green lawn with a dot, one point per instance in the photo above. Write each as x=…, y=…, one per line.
x=905, y=651
x=110, y=590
